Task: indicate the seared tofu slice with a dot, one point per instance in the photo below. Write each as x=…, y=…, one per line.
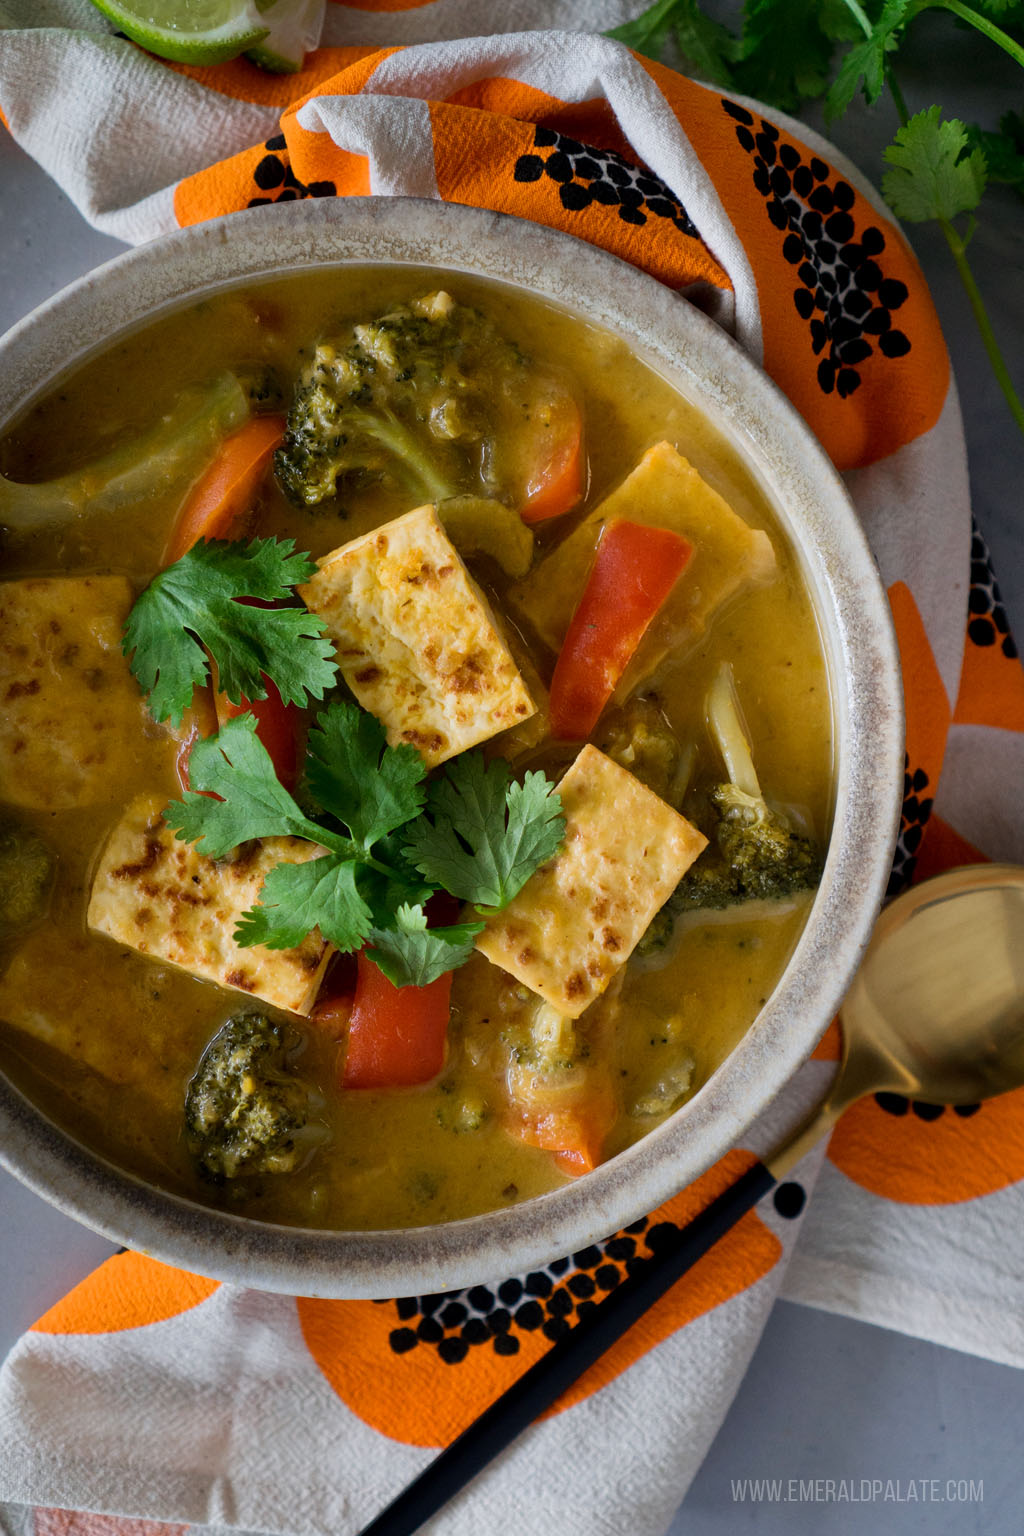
x=665, y=491
x=416, y=639
x=161, y=897
x=72, y=719
x=580, y=916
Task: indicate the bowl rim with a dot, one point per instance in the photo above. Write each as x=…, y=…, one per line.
x=811, y=501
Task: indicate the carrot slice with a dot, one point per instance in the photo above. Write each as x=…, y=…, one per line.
x=225, y=491
x=396, y=1035
x=575, y=1133
x=634, y=570
x=556, y=484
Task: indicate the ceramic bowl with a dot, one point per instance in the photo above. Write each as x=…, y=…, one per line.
x=809, y=499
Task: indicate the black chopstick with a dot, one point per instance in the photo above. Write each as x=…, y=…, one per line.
x=566, y=1360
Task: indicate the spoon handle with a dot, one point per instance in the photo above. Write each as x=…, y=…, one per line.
x=567, y=1359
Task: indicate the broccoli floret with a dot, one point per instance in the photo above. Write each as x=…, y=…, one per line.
x=754, y=852
x=639, y=737
x=754, y=855
x=27, y=869
x=244, y=1106
x=402, y=398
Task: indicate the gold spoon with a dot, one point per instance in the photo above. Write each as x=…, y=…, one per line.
x=935, y=1012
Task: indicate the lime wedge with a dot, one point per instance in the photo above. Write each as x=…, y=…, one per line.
x=295, y=27
x=189, y=31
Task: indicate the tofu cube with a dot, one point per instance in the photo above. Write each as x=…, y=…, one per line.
x=416, y=640
x=72, y=721
x=664, y=491
x=580, y=916
x=158, y=895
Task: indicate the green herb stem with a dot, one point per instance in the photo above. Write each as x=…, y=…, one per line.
x=860, y=16
x=985, y=26
x=345, y=847
x=958, y=250
x=897, y=95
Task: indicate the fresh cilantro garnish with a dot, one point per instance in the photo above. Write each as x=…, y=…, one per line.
x=357, y=777
x=296, y=898
x=483, y=835
x=412, y=955
x=864, y=65
x=785, y=53
x=706, y=44
x=363, y=888
x=192, y=607
x=1003, y=151
x=935, y=174
x=235, y=766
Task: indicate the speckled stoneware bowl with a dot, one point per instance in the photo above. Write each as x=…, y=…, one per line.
x=812, y=505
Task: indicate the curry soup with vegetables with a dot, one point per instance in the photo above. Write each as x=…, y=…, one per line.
x=540, y=797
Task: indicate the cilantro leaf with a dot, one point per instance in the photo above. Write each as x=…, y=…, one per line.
x=935, y=174
x=1003, y=151
x=412, y=955
x=401, y=885
x=786, y=54
x=647, y=32
x=192, y=607
x=296, y=898
x=864, y=64
x=236, y=765
x=482, y=836
x=350, y=769
x=710, y=47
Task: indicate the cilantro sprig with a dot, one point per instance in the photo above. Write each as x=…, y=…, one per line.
x=484, y=834
x=784, y=53
x=412, y=955
x=386, y=843
x=197, y=608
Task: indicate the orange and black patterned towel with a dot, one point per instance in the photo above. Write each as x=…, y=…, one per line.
x=159, y=1395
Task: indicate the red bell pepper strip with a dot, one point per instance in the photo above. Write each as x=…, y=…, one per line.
x=277, y=726
x=557, y=483
x=225, y=491
x=396, y=1035
x=634, y=571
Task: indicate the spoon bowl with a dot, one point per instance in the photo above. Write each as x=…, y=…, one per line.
x=936, y=1009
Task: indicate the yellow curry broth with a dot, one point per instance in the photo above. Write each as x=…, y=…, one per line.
x=106, y=1040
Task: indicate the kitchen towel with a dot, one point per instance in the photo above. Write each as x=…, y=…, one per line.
x=154, y=1395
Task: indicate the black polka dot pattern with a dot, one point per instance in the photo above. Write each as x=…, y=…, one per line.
x=588, y=177
x=789, y=1199
x=917, y=807
x=987, y=623
x=277, y=183
x=896, y=1104
x=548, y=1301
x=842, y=291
